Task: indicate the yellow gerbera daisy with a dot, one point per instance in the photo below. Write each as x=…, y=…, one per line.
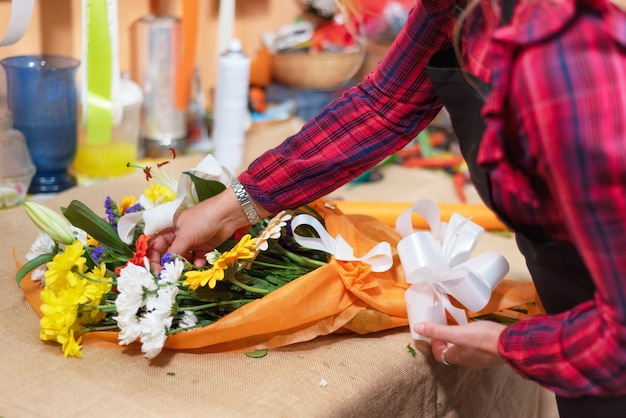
x=243, y=250
x=195, y=279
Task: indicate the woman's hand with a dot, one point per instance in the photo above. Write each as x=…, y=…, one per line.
x=474, y=345
x=199, y=229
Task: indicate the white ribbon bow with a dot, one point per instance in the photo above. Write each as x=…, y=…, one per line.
x=437, y=266
x=378, y=257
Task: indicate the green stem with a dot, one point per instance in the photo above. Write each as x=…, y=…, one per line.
x=100, y=328
x=214, y=304
x=300, y=259
x=249, y=288
x=276, y=266
x=103, y=308
x=177, y=330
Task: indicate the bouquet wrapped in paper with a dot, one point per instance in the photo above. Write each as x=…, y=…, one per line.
x=301, y=274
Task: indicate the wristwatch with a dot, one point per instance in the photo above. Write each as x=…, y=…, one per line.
x=244, y=201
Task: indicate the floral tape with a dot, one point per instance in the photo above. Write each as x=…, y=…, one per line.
x=378, y=257
x=437, y=265
x=21, y=12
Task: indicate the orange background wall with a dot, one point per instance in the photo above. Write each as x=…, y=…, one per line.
x=55, y=28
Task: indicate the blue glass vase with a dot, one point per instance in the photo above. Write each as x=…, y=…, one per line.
x=41, y=94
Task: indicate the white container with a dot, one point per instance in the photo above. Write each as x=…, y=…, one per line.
x=230, y=115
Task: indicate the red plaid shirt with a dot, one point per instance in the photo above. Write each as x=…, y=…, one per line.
x=555, y=142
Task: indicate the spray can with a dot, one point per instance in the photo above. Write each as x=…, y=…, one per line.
x=230, y=115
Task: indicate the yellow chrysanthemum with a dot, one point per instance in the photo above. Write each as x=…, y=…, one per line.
x=64, y=266
x=71, y=347
x=65, y=307
x=158, y=193
x=125, y=203
x=92, y=292
x=60, y=312
x=243, y=250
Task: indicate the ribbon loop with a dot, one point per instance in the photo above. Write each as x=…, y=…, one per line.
x=437, y=265
x=21, y=13
x=379, y=257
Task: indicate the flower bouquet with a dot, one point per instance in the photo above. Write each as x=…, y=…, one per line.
x=92, y=282
x=304, y=273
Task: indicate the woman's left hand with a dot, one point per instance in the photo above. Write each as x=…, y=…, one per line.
x=474, y=345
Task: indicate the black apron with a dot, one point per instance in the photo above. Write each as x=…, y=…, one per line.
x=558, y=272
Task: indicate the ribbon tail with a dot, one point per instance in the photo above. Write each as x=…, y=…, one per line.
x=457, y=313
x=423, y=305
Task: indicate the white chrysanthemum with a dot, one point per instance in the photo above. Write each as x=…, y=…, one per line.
x=188, y=320
x=43, y=244
x=129, y=328
x=172, y=271
x=132, y=283
x=161, y=303
x=134, y=278
x=153, y=334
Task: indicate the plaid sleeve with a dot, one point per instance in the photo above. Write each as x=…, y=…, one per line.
x=366, y=124
x=570, y=102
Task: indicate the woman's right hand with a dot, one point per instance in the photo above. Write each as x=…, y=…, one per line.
x=199, y=229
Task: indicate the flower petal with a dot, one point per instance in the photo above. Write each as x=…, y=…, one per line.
x=160, y=217
x=126, y=226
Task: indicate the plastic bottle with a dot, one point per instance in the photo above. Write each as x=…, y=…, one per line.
x=198, y=139
x=230, y=115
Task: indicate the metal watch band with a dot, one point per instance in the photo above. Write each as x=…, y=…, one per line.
x=244, y=201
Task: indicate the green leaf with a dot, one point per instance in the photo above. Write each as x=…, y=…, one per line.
x=84, y=218
x=257, y=353
x=206, y=188
x=31, y=265
x=411, y=350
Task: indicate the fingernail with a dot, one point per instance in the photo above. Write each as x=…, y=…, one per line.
x=419, y=327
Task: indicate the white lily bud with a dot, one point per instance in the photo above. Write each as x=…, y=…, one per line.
x=50, y=222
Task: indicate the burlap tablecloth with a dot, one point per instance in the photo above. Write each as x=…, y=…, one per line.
x=333, y=376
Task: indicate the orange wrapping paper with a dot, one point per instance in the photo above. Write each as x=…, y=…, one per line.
x=388, y=212
x=337, y=297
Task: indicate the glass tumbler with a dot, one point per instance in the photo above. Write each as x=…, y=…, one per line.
x=42, y=95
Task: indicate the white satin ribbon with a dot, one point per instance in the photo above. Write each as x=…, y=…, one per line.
x=378, y=257
x=21, y=13
x=437, y=265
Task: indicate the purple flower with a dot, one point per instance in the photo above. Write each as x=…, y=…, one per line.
x=97, y=253
x=167, y=258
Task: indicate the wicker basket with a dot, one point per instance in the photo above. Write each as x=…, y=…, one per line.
x=321, y=71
